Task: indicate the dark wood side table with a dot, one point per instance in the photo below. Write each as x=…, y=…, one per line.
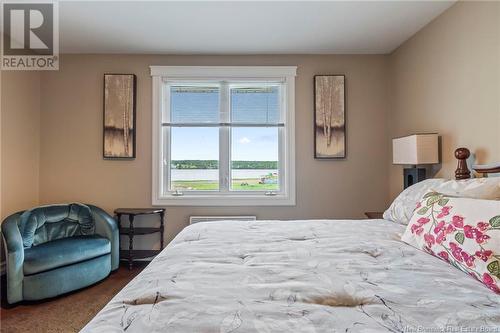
x=374, y=215
x=131, y=231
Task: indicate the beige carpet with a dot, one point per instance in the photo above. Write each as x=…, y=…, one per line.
x=68, y=313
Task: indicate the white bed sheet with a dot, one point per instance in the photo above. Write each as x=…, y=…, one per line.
x=297, y=276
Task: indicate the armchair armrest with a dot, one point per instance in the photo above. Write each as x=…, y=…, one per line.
x=14, y=254
x=107, y=227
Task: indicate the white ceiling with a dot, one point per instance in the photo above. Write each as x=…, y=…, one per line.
x=242, y=27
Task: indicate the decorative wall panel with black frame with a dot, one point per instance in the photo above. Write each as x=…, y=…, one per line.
x=329, y=117
x=119, y=119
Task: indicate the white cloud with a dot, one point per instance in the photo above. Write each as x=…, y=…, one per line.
x=244, y=140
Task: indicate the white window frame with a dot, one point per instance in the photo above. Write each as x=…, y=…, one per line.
x=285, y=75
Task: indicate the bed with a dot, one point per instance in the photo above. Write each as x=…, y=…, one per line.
x=298, y=276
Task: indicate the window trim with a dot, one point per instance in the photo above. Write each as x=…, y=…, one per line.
x=286, y=74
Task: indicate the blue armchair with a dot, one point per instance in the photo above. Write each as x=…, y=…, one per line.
x=52, y=250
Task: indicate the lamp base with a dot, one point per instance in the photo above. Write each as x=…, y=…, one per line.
x=413, y=176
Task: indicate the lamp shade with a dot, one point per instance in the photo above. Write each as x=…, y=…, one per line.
x=415, y=149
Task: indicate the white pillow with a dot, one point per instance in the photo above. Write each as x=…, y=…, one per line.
x=403, y=206
x=476, y=188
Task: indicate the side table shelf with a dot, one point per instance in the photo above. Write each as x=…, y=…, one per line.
x=138, y=254
x=139, y=231
x=132, y=254
x=374, y=215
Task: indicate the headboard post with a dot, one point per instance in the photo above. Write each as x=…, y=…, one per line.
x=462, y=171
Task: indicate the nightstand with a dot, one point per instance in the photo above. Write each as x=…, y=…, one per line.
x=130, y=254
x=374, y=215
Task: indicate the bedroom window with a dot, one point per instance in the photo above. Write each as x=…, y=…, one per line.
x=223, y=136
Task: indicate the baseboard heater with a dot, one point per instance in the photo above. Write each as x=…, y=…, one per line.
x=198, y=219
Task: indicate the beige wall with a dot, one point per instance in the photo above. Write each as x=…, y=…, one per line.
x=20, y=145
x=72, y=168
x=446, y=79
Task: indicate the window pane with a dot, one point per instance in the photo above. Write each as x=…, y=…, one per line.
x=194, y=160
x=255, y=104
x=194, y=104
x=254, y=159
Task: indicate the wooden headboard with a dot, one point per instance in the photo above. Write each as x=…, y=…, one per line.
x=463, y=172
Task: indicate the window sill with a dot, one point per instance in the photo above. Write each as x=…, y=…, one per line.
x=240, y=200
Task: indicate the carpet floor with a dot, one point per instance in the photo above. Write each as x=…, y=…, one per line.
x=67, y=313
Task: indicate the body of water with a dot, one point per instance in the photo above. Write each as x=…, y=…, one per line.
x=212, y=174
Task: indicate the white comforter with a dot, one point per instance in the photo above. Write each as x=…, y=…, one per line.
x=298, y=276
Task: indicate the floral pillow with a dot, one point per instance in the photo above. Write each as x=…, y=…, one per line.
x=461, y=231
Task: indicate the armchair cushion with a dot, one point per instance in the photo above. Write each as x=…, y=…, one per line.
x=63, y=252
x=48, y=223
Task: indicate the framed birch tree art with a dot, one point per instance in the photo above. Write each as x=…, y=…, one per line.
x=329, y=117
x=119, y=116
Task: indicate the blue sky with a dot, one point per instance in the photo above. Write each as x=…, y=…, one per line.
x=202, y=143
x=201, y=104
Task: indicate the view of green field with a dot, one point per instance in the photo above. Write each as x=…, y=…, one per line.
x=237, y=185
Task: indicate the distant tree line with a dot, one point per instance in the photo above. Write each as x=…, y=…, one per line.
x=214, y=164
x=254, y=164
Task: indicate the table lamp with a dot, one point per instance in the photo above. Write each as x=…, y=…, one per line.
x=415, y=150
